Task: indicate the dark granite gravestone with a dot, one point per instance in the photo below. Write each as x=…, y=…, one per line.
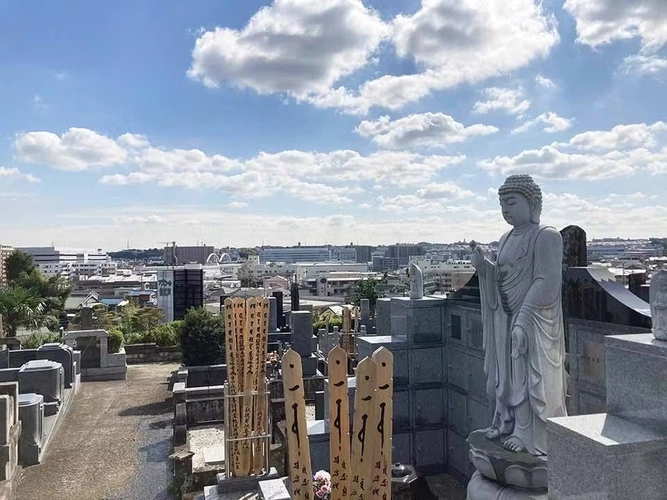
x=279, y=308
x=574, y=247
x=294, y=297
x=302, y=334
x=273, y=314
x=635, y=282
x=574, y=255
x=86, y=318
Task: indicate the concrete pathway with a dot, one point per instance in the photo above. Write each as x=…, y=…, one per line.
x=113, y=445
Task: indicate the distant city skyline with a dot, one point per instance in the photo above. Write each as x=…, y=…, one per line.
x=334, y=121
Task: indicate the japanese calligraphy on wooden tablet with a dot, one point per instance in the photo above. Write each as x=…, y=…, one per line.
x=339, y=425
x=381, y=478
x=297, y=434
x=363, y=437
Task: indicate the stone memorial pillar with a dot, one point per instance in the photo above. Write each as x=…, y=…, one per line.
x=574, y=255
x=86, y=318
x=383, y=316
x=273, y=314
x=294, y=297
x=302, y=334
x=279, y=308
x=365, y=309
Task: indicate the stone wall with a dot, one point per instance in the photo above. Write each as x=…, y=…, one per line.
x=587, y=382
x=439, y=381
x=151, y=353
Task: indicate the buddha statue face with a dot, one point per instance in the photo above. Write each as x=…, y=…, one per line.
x=516, y=209
x=520, y=200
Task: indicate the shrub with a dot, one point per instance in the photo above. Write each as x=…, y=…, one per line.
x=115, y=341
x=133, y=338
x=202, y=338
x=168, y=334
x=34, y=340
x=333, y=321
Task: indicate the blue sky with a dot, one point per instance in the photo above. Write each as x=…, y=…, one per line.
x=242, y=122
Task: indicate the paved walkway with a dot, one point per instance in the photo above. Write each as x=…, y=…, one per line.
x=113, y=445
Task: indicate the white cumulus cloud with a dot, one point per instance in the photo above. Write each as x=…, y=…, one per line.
x=420, y=130
x=593, y=155
x=499, y=99
x=552, y=123
x=7, y=173
x=76, y=149
x=305, y=49
x=298, y=47
x=604, y=21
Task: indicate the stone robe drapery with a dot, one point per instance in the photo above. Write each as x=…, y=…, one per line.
x=526, y=294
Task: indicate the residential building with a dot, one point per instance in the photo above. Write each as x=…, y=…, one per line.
x=335, y=284
x=68, y=263
x=260, y=271
x=290, y=255
x=5, y=251
x=445, y=275
x=177, y=255
x=364, y=253
x=382, y=264
x=402, y=252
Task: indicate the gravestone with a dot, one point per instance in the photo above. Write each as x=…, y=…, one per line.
x=365, y=309
x=574, y=247
x=574, y=255
x=635, y=283
x=273, y=314
x=86, y=318
x=302, y=334
x=279, y=308
x=294, y=297
x=10, y=429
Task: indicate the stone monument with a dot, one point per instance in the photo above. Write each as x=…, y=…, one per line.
x=575, y=254
x=416, y=282
x=658, y=300
x=620, y=454
x=524, y=347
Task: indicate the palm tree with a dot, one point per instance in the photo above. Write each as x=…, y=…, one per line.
x=19, y=307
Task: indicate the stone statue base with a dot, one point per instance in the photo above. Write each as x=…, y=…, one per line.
x=506, y=468
x=481, y=488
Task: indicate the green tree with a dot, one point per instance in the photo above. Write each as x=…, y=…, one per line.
x=19, y=307
x=249, y=282
x=146, y=319
x=202, y=338
x=18, y=264
x=365, y=289
x=125, y=317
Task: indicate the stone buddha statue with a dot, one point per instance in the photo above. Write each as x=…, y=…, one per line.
x=522, y=320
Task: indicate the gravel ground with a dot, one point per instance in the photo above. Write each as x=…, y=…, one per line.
x=114, y=443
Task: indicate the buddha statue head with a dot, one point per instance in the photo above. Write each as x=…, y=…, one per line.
x=520, y=200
